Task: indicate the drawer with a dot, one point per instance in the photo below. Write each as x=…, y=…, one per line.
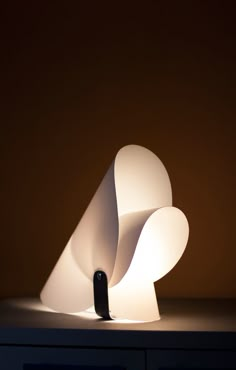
x=190, y=359
x=50, y=358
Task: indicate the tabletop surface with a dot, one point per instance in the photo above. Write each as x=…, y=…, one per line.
x=184, y=323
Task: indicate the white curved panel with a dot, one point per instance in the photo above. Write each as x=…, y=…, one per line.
x=67, y=288
x=161, y=244
x=141, y=180
x=94, y=241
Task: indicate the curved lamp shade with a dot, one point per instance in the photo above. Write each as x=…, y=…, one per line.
x=131, y=232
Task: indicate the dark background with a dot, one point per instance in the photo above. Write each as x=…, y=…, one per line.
x=81, y=79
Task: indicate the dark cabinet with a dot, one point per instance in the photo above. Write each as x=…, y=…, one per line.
x=192, y=334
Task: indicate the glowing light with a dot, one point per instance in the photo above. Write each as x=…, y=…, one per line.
x=131, y=232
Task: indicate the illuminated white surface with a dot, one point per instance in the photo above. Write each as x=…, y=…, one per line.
x=130, y=231
x=161, y=244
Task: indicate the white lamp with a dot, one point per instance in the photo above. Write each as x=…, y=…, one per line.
x=129, y=237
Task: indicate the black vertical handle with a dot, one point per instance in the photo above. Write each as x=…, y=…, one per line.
x=100, y=290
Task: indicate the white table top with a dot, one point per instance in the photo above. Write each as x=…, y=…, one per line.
x=184, y=323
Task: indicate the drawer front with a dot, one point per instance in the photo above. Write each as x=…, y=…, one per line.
x=190, y=360
x=41, y=358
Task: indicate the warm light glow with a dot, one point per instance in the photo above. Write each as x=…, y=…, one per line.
x=131, y=232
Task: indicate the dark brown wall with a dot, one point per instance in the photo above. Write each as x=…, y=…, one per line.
x=78, y=83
